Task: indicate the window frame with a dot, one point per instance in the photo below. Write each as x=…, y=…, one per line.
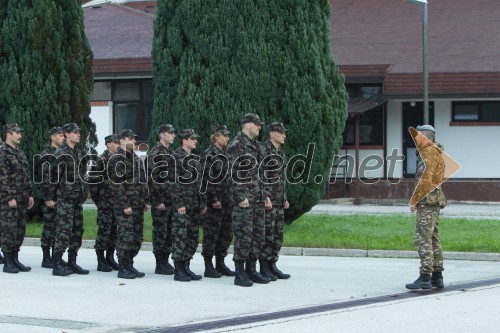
x=480, y=105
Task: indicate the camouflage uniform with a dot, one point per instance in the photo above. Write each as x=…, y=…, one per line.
x=101, y=191
x=68, y=190
x=186, y=193
x=273, y=176
x=15, y=184
x=49, y=214
x=217, y=225
x=127, y=174
x=248, y=223
x=159, y=160
x=428, y=209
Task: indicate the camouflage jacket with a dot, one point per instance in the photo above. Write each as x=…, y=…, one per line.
x=66, y=179
x=436, y=166
x=43, y=169
x=128, y=177
x=160, y=180
x=100, y=187
x=244, y=155
x=215, y=176
x=14, y=175
x=273, y=168
x=185, y=191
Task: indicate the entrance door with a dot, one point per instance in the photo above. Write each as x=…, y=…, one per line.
x=413, y=115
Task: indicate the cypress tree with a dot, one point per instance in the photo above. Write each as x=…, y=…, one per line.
x=212, y=63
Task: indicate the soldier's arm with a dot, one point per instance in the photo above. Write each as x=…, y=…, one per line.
x=116, y=171
x=96, y=179
x=238, y=187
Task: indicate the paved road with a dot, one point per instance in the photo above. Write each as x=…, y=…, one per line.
x=322, y=296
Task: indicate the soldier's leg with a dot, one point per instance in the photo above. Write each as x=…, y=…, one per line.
x=211, y=228
x=111, y=245
x=159, y=218
x=193, y=235
x=104, y=225
x=8, y=226
x=138, y=215
x=279, y=226
x=269, y=220
x=225, y=233
x=436, y=244
x=169, y=238
x=64, y=225
x=423, y=238
x=22, y=208
x=258, y=231
x=179, y=246
x=49, y=227
x=125, y=241
x=243, y=230
x=76, y=238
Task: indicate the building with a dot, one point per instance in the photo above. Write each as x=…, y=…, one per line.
x=377, y=45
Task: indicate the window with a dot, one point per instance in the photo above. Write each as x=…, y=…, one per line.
x=476, y=111
x=133, y=104
x=101, y=91
x=371, y=128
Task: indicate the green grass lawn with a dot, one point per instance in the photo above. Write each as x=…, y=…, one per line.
x=371, y=232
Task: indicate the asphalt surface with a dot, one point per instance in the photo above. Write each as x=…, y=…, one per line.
x=326, y=293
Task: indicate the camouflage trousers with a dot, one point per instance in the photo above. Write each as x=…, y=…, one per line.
x=69, y=227
x=12, y=226
x=49, y=226
x=185, y=234
x=427, y=239
x=162, y=230
x=106, y=230
x=249, y=228
x=130, y=229
x=217, y=232
x=275, y=223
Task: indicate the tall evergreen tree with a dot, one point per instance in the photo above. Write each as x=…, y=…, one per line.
x=212, y=63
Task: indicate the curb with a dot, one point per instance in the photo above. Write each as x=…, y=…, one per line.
x=324, y=252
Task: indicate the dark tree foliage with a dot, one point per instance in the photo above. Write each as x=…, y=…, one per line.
x=214, y=62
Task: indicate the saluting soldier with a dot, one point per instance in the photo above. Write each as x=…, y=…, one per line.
x=15, y=199
x=128, y=176
x=66, y=195
x=217, y=225
x=159, y=158
x=101, y=191
x=247, y=202
x=189, y=204
x=49, y=214
x=273, y=167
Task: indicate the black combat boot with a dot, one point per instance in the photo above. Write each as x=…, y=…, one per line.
x=15, y=260
x=64, y=263
x=210, y=270
x=170, y=268
x=47, y=261
x=59, y=269
x=110, y=258
x=161, y=267
x=241, y=278
x=133, y=269
x=275, y=271
x=8, y=265
x=251, y=270
x=102, y=264
x=1, y=259
x=437, y=280
x=123, y=271
x=264, y=270
x=180, y=274
x=72, y=264
x=423, y=282
x=193, y=276
x=221, y=267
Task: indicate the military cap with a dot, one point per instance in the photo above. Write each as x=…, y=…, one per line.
x=426, y=128
x=165, y=128
x=188, y=134
x=71, y=127
x=276, y=127
x=251, y=118
x=126, y=133
x=14, y=127
x=111, y=138
x=55, y=130
x=222, y=129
